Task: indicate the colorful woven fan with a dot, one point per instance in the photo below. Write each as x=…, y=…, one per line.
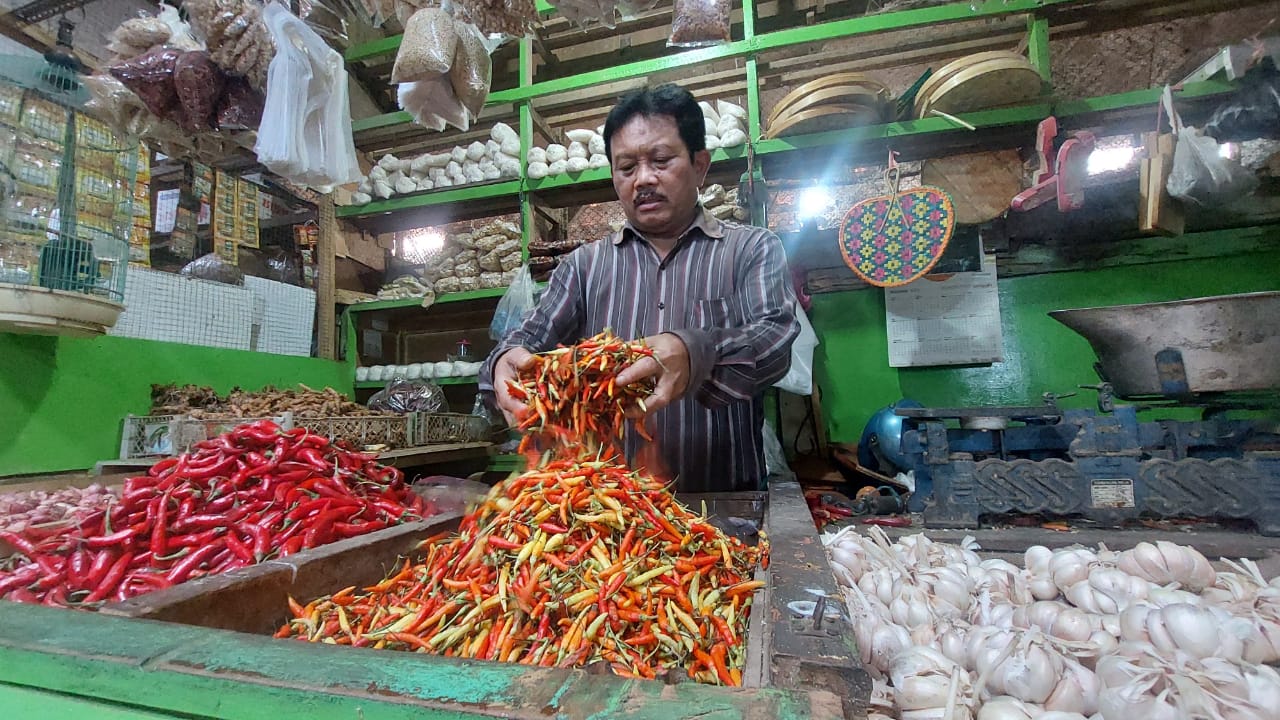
x=897, y=238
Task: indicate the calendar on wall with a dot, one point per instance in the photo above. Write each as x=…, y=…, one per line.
x=952, y=321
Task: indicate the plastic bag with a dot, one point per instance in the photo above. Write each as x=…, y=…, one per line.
x=1253, y=111
x=432, y=104
x=1201, y=175
x=309, y=139
x=199, y=84
x=472, y=70
x=699, y=23
x=240, y=107
x=799, y=378
x=450, y=494
x=213, y=267
x=406, y=396
x=150, y=77
x=775, y=459
x=516, y=302
x=430, y=39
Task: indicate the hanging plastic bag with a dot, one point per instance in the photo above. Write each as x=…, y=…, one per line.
x=1251, y=112
x=430, y=39
x=472, y=69
x=1201, y=175
x=514, y=305
x=799, y=379
x=699, y=23
x=308, y=140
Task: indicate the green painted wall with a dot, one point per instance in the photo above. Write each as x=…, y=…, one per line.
x=1041, y=355
x=62, y=399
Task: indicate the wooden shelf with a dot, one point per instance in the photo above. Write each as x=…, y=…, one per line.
x=486, y=293
x=465, y=380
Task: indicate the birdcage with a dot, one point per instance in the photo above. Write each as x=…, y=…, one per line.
x=66, y=203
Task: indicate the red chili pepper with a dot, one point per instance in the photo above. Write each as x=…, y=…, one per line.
x=891, y=521
x=20, y=544
x=111, y=580
x=184, y=567
x=242, y=551
x=116, y=538
x=552, y=528
x=159, y=524
x=503, y=543
x=261, y=539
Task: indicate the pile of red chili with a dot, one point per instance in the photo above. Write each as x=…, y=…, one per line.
x=580, y=561
x=254, y=493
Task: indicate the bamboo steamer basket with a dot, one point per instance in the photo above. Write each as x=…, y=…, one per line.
x=948, y=71
x=985, y=85
x=803, y=96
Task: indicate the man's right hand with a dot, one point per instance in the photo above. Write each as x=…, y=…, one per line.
x=505, y=370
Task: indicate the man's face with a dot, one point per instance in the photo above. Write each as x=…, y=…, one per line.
x=656, y=180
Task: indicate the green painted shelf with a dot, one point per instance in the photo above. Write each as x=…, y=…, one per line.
x=417, y=302
x=432, y=197
x=468, y=380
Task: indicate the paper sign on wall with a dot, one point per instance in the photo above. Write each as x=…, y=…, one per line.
x=955, y=321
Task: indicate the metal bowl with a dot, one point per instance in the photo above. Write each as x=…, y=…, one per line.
x=1227, y=343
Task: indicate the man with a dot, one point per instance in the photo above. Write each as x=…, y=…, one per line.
x=711, y=298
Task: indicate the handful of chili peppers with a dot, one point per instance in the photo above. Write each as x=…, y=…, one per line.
x=254, y=493
x=577, y=562
x=573, y=397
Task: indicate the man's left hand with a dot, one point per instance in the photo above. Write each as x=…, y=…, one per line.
x=669, y=365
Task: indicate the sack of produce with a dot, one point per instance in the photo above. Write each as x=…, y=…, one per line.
x=430, y=41
x=405, y=396
x=699, y=23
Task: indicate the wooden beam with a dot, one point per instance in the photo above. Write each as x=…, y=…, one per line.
x=326, y=269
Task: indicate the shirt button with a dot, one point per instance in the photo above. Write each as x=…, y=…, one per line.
x=662, y=305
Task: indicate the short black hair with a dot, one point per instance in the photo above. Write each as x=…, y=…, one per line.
x=669, y=99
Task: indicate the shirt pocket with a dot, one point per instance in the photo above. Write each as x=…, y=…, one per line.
x=715, y=312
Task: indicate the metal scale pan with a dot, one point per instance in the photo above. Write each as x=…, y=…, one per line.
x=1222, y=344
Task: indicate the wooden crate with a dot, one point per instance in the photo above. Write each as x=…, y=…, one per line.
x=784, y=649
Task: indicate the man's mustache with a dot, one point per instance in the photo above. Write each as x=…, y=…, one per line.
x=648, y=197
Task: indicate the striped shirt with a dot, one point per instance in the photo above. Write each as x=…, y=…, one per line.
x=724, y=290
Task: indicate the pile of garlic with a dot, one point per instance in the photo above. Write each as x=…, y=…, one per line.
x=725, y=123
x=1152, y=632
x=495, y=159
x=585, y=150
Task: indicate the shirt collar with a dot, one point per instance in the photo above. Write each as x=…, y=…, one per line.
x=704, y=221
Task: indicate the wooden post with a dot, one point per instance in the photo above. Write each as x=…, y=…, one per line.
x=326, y=271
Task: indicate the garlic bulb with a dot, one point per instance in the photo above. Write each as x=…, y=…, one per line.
x=1076, y=690
x=1178, y=628
x=927, y=686
x=1107, y=591
x=1009, y=708
x=1068, y=567
x=1039, y=581
x=1166, y=562
x=1026, y=668
x=1041, y=614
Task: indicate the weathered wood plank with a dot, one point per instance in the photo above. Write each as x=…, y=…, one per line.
x=165, y=668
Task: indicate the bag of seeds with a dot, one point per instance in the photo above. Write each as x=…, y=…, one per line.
x=699, y=23
x=430, y=41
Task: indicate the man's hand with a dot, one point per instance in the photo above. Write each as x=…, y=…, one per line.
x=669, y=364
x=504, y=370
